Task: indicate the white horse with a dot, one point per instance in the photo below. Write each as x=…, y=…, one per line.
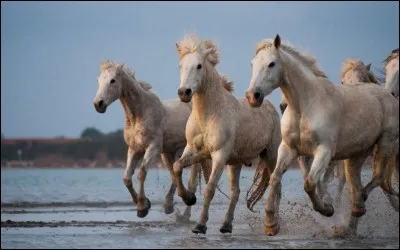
x=392, y=85
x=392, y=73
x=326, y=122
x=220, y=127
x=152, y=128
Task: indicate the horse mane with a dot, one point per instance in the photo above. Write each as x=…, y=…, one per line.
x=107, y=64
x=226, y=83
x=192, y=43
x=308, y=60
x=354, y=64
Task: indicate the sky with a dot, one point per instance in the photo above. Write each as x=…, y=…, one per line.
x=51, y=51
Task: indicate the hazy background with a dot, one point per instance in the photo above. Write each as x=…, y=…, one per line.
x=50, y=52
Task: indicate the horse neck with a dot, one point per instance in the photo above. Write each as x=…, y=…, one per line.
x=392, y=70
x=297, y=85
x=209, y=94
x=133, y=100
x=392, y=84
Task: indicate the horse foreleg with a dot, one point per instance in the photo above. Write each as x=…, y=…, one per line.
x=131, y=163
x=168, y=159
x=150, y=158
x=192, y=186
x=218, y=162
x=234, y=177
x=286, y=156
x=323, y=185
x=319, y=165
x=189, y=157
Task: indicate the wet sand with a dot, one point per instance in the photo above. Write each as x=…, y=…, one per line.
x=119, y=227
x=115, y=224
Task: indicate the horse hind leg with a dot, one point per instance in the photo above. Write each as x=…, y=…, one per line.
x=353, y=175
x=167, y=159
x=341, y=176
x=384, y=149
x=392, y=169
x=234, y=177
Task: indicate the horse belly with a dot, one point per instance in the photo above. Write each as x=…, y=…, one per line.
x=356, y=138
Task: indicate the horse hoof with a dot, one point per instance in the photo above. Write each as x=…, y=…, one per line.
x=328, y=212
x=200, y=229
x=358, y=212
x=271, y=231
x=226, y=228
x=190, y=199
x=142, y=213
x=168, y=209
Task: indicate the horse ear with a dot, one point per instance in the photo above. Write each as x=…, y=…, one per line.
x=368, y=67
x=120, y=66
x=277, y=41
x=178, y=48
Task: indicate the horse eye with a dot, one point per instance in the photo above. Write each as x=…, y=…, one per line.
x=199, y=66
x=271, y=65
x=112, y=81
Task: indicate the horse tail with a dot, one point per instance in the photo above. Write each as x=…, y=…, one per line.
x=259, y=185
x=392, y=168
x=206, y=167
x=266, y=166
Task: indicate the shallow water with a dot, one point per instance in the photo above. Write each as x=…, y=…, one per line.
x=91, y=208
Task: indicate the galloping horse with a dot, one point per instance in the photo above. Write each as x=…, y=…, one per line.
x=326, y=122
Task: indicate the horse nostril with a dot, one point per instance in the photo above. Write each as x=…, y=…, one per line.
x=101, y=103
x=393, y=94
x=188, y=92
x=283, y=107
x=257, y=95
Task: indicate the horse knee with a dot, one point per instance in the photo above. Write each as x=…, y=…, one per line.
x=177, y=167
x=127, y=181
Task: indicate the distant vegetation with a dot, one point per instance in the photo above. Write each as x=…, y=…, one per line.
x=93, y=142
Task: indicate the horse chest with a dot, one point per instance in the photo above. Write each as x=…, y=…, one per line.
x=301, y=137
x=137, y=138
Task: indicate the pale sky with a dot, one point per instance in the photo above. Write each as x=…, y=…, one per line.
x=50, y=52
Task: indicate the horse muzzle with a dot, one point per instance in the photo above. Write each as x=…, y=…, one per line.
x=100, y=106
x=255, y=98
x=185, y=94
